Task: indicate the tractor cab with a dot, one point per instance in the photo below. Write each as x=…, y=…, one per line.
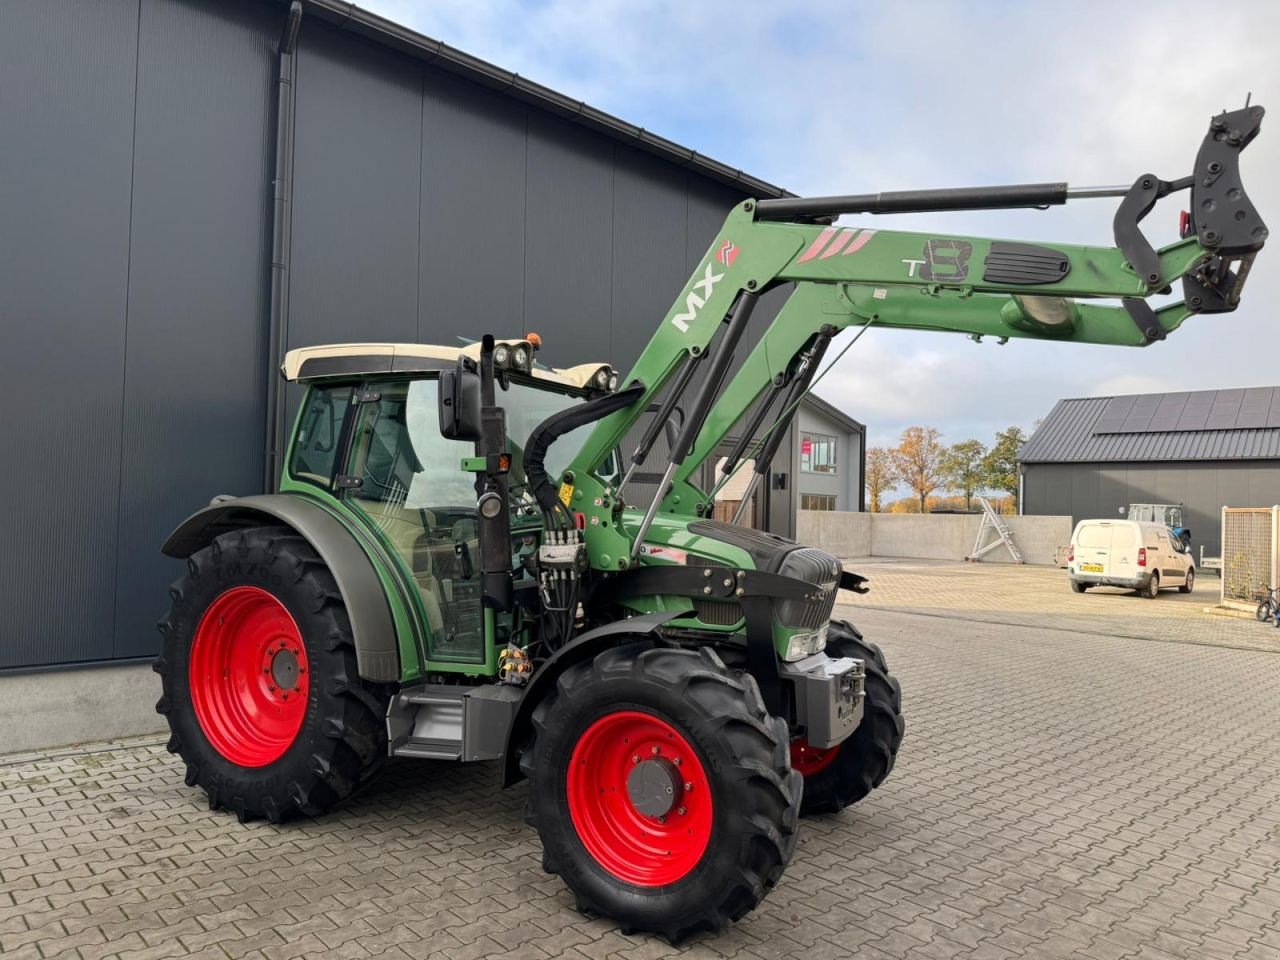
x=369, y=437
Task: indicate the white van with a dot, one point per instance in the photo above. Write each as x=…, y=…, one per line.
x=1146, y=557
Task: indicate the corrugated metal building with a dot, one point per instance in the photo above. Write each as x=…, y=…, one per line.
x=422, y=194
x=1205, y=449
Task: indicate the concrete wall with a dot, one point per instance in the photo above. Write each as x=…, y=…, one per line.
x=927, y=536
x=60, y=707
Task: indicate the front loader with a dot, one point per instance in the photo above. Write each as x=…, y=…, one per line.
x=458, y=567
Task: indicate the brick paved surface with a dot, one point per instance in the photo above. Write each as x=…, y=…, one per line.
x=1061, y=793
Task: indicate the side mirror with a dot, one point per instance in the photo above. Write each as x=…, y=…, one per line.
x=459, y=404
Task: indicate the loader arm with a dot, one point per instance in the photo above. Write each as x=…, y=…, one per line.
x=845, y=276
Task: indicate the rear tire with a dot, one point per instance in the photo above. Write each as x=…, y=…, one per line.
x=1152, y=589
x=834, y=780
x=686, y=715
x=1264, y=611
x=1078, y=587
x=261, y=690
x=1190, y=583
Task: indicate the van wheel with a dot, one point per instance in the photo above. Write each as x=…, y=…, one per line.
x=1152, y=588
x=1190, y=583
x=1078, y=587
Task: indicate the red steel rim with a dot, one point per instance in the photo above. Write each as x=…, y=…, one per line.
x=249, y=676
x=645, y=851
x=810, y=760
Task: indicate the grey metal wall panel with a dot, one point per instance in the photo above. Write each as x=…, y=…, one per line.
x=357, y=171
x=423, y=207
x=651, y=260
x=471, y=265
x=1203, y=488
x=569, y=255
x=196, y=365
x=66, y=109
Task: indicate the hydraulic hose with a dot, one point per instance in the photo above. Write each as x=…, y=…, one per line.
x=557, y=425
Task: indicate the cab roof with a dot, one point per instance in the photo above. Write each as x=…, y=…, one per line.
x=369, y=359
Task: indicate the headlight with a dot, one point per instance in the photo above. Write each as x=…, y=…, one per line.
x=520, y=358
x=501, y=354
x=803, y=645
x=613, y=382
x=490, y=505
x=602, y=378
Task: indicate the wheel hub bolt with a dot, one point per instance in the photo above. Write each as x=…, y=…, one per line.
x=688, y=786
x=654, y=751
x=681, y=811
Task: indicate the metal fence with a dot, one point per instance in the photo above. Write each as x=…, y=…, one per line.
x=1250, y=551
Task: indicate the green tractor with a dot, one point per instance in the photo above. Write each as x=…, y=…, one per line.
x=458, y=566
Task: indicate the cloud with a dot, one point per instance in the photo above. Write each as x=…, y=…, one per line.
x=835, y=97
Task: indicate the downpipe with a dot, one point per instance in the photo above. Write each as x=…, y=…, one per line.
x=281, y=188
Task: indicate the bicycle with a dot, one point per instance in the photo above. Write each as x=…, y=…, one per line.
x=1269, y=605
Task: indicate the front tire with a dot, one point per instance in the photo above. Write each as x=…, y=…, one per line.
x=261, y=690
x=661, y=789
x=1152, y=588
x=1264, y=611
x=843, y=775
x=1190, y=583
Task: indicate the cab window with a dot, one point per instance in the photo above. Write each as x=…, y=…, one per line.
x=315, y=445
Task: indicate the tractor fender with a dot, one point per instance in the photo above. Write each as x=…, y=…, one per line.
x=372, y=626
x=544, y=680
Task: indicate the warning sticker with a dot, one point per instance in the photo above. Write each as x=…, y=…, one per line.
x=566, y=493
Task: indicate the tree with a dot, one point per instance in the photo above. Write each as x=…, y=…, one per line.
x=962, y=469
x=1000, y=466
x=917, y=460
x=879, y=475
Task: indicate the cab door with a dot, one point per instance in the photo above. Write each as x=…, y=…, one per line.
x=405, y=480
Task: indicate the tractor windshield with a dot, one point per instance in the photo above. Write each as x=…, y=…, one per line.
x=405, y=460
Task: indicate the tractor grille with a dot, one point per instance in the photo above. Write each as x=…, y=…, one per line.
x=818, y=568
x=717, y=613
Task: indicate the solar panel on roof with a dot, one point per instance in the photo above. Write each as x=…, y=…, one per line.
x=1168, y=412
x=1113, y=415
x=1254, y=408
x=1196, y=413
x=1139, y=418
x=1226, y=407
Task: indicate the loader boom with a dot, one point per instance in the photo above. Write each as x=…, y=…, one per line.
x=847, y=276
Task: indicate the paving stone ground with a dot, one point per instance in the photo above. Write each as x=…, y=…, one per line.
x=1072, y=785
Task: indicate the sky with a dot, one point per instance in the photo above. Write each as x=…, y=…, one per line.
x=837, y=97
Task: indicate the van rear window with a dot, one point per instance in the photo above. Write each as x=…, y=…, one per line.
x=1095, y=535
